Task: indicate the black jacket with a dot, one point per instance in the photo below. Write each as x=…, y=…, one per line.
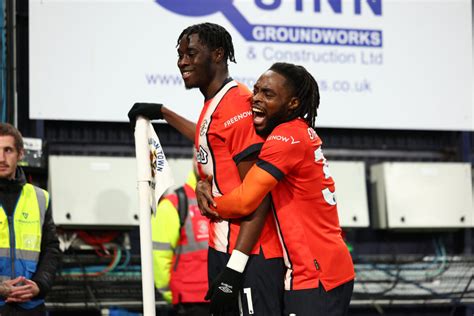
x=50, y=255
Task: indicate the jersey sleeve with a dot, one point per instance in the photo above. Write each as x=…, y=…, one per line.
x=238, y=132
x=281, y=152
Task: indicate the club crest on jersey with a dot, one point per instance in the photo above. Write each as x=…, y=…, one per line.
x=203, y=129
x=201, y=156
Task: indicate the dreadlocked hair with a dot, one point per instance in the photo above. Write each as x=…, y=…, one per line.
x=304, y=87
x=213, y=36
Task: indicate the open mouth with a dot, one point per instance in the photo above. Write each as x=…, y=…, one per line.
x=258, y=115
x=185, y=74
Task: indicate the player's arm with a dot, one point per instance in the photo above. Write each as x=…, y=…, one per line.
x=232, y=276
x=241, y=201
x=251, y=225
x=156, y=111
x=249, y=201
x=246, y=198
x=184, y=126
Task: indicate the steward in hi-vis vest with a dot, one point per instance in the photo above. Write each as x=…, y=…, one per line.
x=29, y=246
x=180, y=242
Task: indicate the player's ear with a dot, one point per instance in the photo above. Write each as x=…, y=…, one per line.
x=293, y=104
x=218, y=54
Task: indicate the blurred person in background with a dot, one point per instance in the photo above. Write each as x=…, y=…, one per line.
x=29, y=246
x=180, y=237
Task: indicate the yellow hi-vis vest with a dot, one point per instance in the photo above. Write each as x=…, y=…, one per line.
x=20, y=237
x=168, y=239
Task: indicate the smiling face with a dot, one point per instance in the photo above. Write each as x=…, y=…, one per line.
x=195, y=62
x=9, y=157
x=272, y=102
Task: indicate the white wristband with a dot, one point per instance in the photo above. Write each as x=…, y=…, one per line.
x=238, y=261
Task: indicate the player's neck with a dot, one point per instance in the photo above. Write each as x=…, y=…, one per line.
x=215, y=85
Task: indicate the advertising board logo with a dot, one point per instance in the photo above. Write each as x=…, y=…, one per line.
x=287, y=34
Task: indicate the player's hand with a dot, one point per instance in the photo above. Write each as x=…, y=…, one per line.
x=23, y=293
x=224, y=292
x=152, y=111
x=205, y=200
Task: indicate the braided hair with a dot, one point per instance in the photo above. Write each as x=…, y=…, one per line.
x=304, y=87
x=213, y=36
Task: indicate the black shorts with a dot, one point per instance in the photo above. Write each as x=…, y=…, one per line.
x=263, y=282
x=192, y=309
x=318, y=302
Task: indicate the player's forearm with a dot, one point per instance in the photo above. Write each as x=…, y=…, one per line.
x=184, y=126
x=246, y=198
x=251, y=227
x=238, y=203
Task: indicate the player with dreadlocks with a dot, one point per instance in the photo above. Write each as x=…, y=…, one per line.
x=227, y=147
x=291, y=165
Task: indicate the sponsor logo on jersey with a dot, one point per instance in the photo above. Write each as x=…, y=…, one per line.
x=284, y=139
x=237, y=118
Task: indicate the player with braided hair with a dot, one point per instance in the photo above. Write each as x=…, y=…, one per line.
x=213, y=36
x=291, y=166
x=227, y=146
